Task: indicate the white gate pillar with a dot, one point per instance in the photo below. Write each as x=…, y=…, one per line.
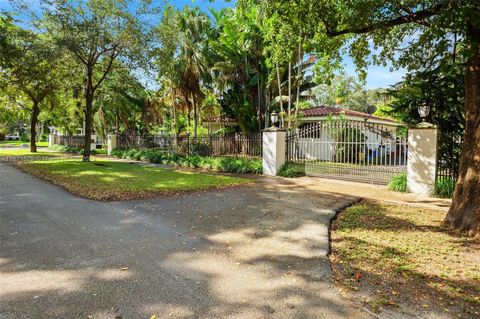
x=52, y=139
x=274, y=148
x=93, y=142
x=112, y=143
x=422, y=158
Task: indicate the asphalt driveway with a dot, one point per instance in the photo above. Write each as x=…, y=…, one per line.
x=252, y=252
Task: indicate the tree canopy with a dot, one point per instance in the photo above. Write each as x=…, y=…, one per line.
x=243, y=63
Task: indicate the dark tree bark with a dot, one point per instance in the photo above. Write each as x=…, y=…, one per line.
x=195, y=116
x=91, y=88
x=88, y=127
x=464, y=213
x=33, y=127
x=89, y=96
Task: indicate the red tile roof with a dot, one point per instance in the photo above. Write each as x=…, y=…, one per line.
x=328, y=110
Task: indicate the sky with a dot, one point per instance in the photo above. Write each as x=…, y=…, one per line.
x=377, y=76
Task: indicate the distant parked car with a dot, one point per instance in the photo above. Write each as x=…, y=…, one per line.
x=13, y=137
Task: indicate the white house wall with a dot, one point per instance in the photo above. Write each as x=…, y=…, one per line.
x=321, y=148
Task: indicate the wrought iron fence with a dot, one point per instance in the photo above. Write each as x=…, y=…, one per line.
x=70, y=140
x=346, y=149
x=75, y=140
x=236, y=145
x=448, y=159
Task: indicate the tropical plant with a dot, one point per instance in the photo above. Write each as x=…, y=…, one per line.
x=183, y=37
x=398, y=183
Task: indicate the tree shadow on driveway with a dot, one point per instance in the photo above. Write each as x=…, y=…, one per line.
x=253, y=252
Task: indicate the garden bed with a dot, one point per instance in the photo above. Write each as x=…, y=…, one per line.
x=402, y=257
x=222, y=164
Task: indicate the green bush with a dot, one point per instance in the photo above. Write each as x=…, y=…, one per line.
x=224, y=164
x=117, y=153
x=25, y=137
x=201, y=149
x=398, y=183
x=444, y=187
x=288, y=170
x=3, y=132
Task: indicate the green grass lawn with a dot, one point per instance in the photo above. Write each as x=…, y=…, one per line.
x=19, y=143
x=110, y=180
x=403, y=256
x=101, y=151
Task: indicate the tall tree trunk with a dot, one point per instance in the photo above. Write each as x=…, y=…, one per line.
x=280, y=93
x=195, y=116
x=259, y=98
x=289, y=95
x=33, y=127
x=116, y=122
x=464, y=213
x=267, y=108
x=300, y=79
x=189, y=111
x=88, y=126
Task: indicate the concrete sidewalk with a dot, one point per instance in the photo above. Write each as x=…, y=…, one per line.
x=371, y=191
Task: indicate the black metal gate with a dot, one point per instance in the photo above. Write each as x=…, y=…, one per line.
x=351, y=150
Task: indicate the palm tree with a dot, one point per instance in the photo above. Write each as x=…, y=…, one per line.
x=193, y=27
x=182, y=56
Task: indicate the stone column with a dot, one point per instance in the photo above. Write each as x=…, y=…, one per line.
x=93, y=142
x=274, y=148
x=112, y=143
x=422, y=158
x=52, y=139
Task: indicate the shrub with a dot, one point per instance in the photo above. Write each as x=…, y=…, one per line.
x=225, y=164
x=288, y=170
x=25, y=137
x=3, y=132
x=116, y=153
x=398, y=183
x=201, y=149
x=444, y=187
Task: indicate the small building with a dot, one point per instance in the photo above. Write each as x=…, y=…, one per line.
x=217, y=123
x=322, y=113
x=371, y=136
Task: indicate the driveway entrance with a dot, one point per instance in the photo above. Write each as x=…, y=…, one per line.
x=253, y=252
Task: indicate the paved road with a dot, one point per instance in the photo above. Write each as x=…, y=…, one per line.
x=253, y=252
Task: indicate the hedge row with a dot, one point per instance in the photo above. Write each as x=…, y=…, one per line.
x=224, y=164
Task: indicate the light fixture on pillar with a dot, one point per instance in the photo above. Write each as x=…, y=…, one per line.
x=274, y=119
x=423, y=110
